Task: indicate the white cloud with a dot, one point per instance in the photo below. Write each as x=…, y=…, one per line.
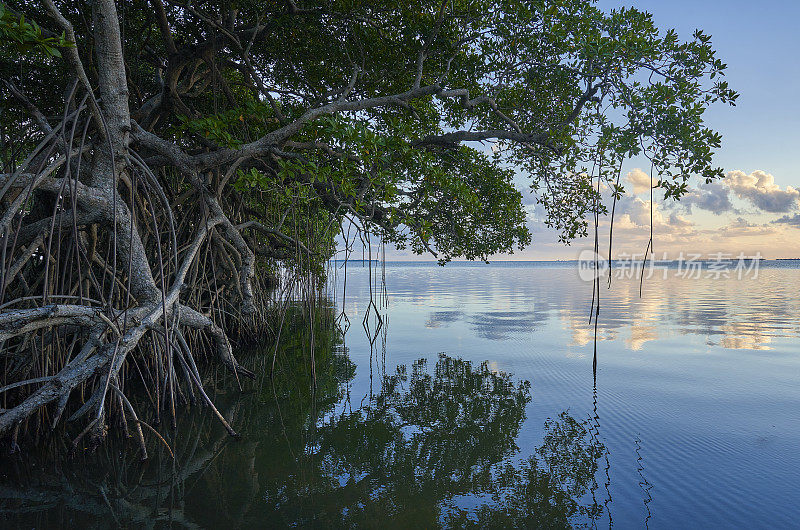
x=640, y=181
x=760, y=189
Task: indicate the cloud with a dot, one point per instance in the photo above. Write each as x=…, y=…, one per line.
x=639, y=211
x=640, y=181
x=760, y=189
x=632, y=224
x=791, y=220
x=713, y=197
x=741, y=227
x=679, y=221
x=753, y=214
x=740, y=222
x=634, y=213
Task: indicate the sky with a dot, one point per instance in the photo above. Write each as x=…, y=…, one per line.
x=755, y=209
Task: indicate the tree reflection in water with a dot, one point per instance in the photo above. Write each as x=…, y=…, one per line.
x=430, y=443
x=546, y=490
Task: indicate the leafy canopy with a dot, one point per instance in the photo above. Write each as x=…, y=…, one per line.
x=410, y=118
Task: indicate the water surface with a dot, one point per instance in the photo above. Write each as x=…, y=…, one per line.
x=465, y=395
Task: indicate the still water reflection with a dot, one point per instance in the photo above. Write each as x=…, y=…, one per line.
x=471, y=402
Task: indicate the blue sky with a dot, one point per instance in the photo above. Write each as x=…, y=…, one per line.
x=759, y=42
x=756, y=208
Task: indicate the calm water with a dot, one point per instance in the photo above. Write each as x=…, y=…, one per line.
x=472, y=402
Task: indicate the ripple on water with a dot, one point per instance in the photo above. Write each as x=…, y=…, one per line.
x=695, y=369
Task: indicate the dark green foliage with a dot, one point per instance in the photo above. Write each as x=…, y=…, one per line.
x=26, y=36
x=559, y=89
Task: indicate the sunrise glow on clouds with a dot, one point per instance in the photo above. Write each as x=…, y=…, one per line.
x=743, y=212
